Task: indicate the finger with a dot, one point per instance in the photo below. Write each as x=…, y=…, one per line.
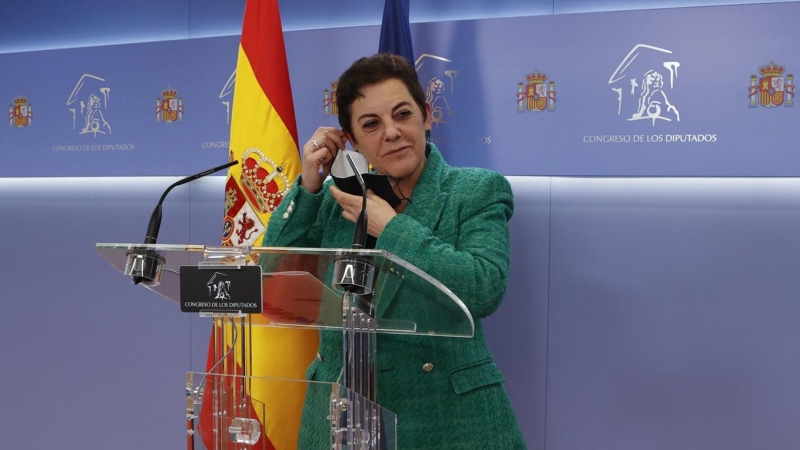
x=311, y=150
x=318, y=152
x=336, y=193
x=373, y=197
x=326, y=146
x=330, y=138
x=335, y=139
x=315, y=141
x=324, y=156
x=347, y=215
x=346, y=200
x=340, y=196
x=330, y=156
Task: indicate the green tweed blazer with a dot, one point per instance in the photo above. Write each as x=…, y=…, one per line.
x=456, y=229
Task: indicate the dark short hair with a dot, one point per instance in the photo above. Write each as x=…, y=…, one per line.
x=370, y=70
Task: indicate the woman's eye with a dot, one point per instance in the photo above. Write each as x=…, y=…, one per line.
x=404, y=113
x=370, y=124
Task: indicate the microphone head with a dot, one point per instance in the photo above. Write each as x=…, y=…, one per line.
x=356, y=172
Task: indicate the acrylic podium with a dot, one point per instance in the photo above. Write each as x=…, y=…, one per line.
x=359, y=292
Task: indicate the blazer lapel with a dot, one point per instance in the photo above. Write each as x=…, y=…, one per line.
x=426, y=207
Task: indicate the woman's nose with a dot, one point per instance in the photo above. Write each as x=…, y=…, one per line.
x=392, y=132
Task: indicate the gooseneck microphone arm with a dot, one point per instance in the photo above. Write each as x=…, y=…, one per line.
x=144, y=265
x=360, y=234
x=155, y=219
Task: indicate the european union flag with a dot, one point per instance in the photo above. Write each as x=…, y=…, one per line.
x=395, y=30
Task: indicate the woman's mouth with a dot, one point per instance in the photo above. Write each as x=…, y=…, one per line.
x=396, y=151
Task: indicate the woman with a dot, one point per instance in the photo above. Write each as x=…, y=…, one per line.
x=453, y=224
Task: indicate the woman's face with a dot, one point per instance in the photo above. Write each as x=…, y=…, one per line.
x=389, y=129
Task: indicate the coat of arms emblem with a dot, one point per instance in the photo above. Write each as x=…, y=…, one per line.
x=537, y=95
x=772, y=88
x=329, y=107
x=20, y=114
x=169, y=108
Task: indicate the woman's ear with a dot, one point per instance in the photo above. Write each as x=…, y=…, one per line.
x=350, y=139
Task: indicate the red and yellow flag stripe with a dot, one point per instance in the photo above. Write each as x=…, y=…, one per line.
x=264, y=140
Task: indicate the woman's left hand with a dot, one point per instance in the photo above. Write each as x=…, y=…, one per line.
x=379, y=212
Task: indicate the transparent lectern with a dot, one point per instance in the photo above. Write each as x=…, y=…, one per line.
x=360, y=292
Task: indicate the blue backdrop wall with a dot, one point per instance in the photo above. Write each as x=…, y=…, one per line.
x=662, y=92
x=641, y=312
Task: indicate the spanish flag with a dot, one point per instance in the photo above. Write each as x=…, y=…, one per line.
x=264, y=140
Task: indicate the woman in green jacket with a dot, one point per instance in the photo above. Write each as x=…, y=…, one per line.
x=452, y=223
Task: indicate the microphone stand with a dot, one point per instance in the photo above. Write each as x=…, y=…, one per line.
x=357, y=422
x=356, y=275
x=144, y=265
x=360, y=234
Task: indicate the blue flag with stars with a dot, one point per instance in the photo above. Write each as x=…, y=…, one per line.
x=395, y=30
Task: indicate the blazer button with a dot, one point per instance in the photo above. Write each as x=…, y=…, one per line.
x=427, y=367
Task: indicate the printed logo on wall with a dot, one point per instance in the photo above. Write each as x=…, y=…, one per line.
x=169, y=109
x=92, y=93
x=329, y=107
x=227, y=91
x=437, y=89
x=537, y=95
x=772, y=89
x=20, y=114
x=225, y=96
x=640, y=87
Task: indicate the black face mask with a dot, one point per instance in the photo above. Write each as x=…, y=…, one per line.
x=344, y=179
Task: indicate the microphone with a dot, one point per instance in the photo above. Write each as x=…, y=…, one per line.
x=155, y=219
x=360, y=234
x=145, y=266
x=356, y=274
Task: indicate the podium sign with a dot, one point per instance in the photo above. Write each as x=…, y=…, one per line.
x=221, y=289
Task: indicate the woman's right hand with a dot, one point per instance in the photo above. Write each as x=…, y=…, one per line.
x=318, y=155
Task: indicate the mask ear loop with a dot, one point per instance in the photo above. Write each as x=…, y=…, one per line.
x=402, y=197
x=370, y=167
